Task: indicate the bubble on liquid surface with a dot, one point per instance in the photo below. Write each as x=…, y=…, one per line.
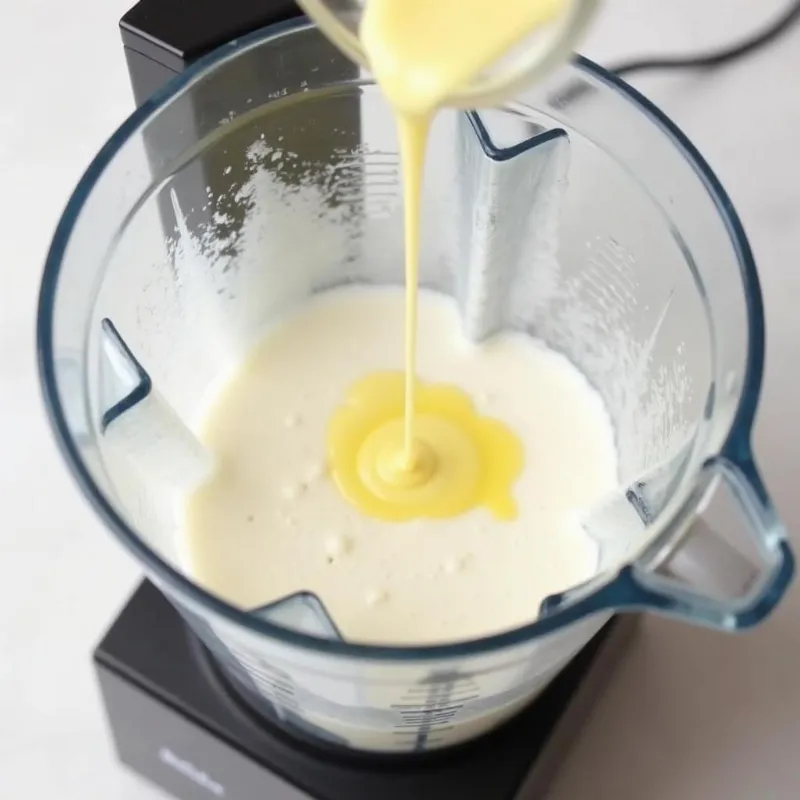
x=374, y=597
x=337, y=545
x=484, y=399
x=451, y=566
x=316, y=472
x=456, y=564
x=291, y=491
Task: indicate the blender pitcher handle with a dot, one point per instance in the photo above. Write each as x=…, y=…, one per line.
x=641, y=586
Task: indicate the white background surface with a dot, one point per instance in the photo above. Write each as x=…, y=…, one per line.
x=690, y=714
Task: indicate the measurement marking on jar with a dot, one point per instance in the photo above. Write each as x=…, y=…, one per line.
x=427, y=710
x=273, y=684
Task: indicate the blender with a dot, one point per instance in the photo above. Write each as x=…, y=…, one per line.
x=267, y=172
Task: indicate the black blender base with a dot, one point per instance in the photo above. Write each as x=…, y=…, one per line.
x=174, y=722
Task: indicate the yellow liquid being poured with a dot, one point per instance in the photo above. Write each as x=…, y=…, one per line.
x=399, y=449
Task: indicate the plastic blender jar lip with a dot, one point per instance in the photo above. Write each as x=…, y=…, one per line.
x=737, y=443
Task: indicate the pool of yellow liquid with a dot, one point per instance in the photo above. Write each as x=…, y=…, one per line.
x=399, y=449
x=460, y=459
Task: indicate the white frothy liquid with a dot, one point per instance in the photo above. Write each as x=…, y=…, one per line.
x=271, y=522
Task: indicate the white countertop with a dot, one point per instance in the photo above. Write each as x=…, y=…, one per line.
x=690, y=714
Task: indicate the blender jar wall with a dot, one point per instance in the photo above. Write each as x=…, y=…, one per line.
x=716, y=341
x=390, y=700
x=188, y=307
x=707, y=240
x=155, y=287
x=130, y=267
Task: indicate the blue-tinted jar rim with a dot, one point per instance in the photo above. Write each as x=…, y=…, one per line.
x=737, y=444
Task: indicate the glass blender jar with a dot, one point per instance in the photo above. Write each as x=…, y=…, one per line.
x=269, y=172
x=532, y=59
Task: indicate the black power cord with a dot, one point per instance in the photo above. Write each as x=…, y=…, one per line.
x=715, y=58
x=576, y=89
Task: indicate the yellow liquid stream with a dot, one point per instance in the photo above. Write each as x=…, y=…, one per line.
x=400, y=449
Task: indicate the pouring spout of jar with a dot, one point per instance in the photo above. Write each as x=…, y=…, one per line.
x=695, y=573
